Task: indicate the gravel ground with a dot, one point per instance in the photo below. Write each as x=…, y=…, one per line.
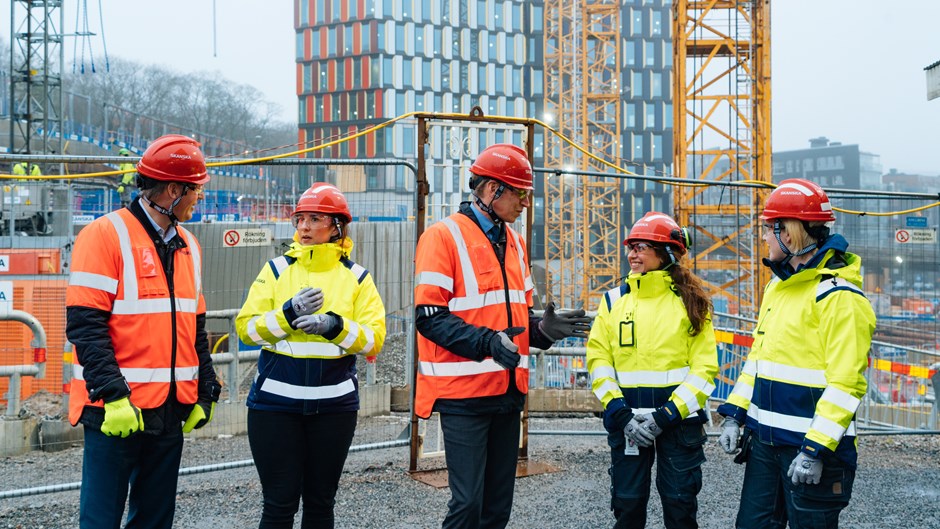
x=898, y=485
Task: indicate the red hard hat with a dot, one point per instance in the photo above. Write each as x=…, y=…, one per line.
x=658, y=227
x=174, y=158
x=797, y=198
x=323, y=198
x=504, y=162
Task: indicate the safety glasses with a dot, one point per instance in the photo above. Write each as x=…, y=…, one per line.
x=639, y=247
x=523, y=194
x=314, y=219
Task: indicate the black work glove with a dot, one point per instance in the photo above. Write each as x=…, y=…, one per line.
x=617, y=415
x=558, y=325
x=503, y=350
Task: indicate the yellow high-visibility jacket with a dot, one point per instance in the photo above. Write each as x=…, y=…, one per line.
x=805, y=374
x=308, y=373
x=641, y=349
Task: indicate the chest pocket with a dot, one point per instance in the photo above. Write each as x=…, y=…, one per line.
x=150, y=282
x=489, y=274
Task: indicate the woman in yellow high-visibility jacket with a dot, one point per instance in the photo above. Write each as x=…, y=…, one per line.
x=805, y=374
x=653, y=359
x=312, y=310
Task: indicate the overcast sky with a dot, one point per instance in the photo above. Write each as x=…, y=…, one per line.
x=850, y=70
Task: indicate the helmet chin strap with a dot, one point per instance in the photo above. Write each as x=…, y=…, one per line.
x=786, y=251
x=488, y=208
x=168, y=212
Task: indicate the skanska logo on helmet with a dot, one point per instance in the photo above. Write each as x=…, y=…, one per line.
x=501, y=155
x=181, y=156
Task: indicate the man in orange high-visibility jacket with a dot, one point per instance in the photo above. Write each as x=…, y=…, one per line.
x=136, y=315
x=473, y=299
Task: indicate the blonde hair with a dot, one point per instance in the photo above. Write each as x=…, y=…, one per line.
x=799, y=237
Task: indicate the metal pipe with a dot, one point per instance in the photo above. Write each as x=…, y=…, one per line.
x=38, y=369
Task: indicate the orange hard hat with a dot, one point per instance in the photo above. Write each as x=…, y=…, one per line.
x=796, y=198
x=174, y=158
x=506, y=163
x=661, y=228
x=323, y=198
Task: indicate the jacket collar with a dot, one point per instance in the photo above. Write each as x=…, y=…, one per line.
x=831, y=252
x=320, y=257
x=650, y=284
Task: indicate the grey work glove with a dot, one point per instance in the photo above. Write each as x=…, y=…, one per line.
x=805, y=469
x=316, y=323
x=648, y=423
x=503, y=350
x=307, y=301
x=565, y=323
x=636, y=432
x=730, y=433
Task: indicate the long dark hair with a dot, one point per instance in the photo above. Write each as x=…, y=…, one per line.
x=690, y=289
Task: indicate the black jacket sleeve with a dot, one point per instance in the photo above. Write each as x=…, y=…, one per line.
x=536, y=338
x=87, y=330
x=209, y=387
x=436, y=323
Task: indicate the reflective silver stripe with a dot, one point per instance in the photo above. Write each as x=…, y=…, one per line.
x=700, y=384
x=274, y=326
x=750, y=368
x=196, y=257
x=836, y=282
x=688, y=397
x=478, y=301
x=291, y=391
x=517, y=240
x=459, y=369
x=359, y=271
x=435, y=279
x=253, y=331
x=613, y=295
x=140, y=375
x=799, y=375
x=798, y=424
x=152, y=306
x=641, y=411
x=351, y=336
x=629, y=379
x=280, y=264
x=603, y=389
x=95, y=281
x=840, y=398
x=127, y=254
x=828, y=427
x=469, y=277
x=308, y=349
x=603, y=372
x=743, y=390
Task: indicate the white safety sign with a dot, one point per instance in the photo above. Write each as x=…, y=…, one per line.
x=916, y=236
x=4, y=263
x=6, y=296
x=255, y=237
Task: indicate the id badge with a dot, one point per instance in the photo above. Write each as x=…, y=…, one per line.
x=632, y=449
x=626, y=333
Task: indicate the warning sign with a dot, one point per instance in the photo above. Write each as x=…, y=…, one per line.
x=916, y=236
x=256, y=237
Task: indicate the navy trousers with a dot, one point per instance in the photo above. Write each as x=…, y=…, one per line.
x=481, y=453
x=147, y=464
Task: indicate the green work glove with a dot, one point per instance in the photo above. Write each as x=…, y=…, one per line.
x=200, y=416
x=121, y=418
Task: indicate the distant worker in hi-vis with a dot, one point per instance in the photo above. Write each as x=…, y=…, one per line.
x=805, y=374
x=653, y=360
x=135, y=312
x=312, y=310
x=473, y=299
x=126, y=186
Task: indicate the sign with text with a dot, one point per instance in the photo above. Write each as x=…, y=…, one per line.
x=251, y=237
x=6, y=296
x=916, y=222
x=916, y=236
x=4, y=263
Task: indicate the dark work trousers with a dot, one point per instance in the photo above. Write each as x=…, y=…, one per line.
x=147, y=464
x=769, y=498
x=481, y=453
x=299, y=456
x=679, y=456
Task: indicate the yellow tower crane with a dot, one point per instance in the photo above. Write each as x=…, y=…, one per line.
x=722, y=134
x=582, y=98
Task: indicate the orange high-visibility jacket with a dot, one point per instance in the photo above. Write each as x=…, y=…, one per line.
x=456, y=266
x=116, y=268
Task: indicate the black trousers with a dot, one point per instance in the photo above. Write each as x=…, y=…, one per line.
x=481, y=453
x=299, y=456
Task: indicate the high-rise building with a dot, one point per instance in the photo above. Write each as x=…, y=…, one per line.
x=360, y=63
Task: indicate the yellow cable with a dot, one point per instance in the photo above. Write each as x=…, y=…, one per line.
x=374, y=128
x=215, y=348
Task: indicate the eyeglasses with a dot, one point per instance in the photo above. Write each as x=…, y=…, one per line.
x=770, y=227
x=523, y=194
x=310, y=218
x=639, y=247
x=199, y=190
